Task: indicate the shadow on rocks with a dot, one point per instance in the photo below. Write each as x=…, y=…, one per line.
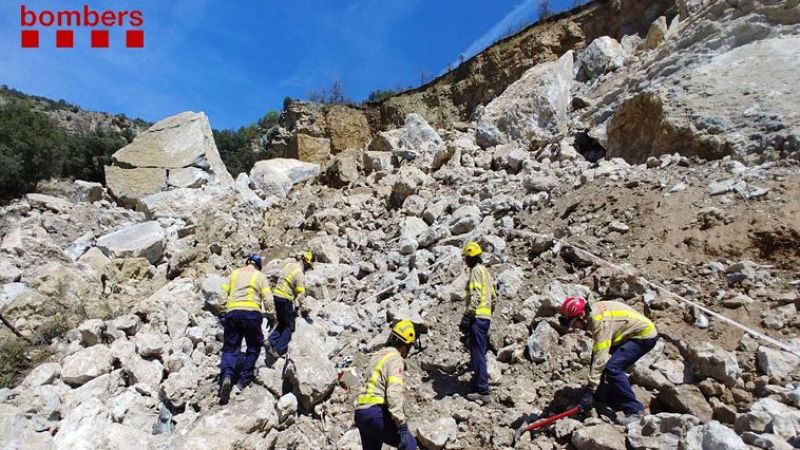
x=445, y=384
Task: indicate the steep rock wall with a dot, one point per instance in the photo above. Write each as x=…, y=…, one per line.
x=454, y=96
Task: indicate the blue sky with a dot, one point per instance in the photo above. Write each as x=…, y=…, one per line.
x=235, y=60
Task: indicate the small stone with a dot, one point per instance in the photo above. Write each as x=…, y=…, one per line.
x=619, y=227
x=286, y=406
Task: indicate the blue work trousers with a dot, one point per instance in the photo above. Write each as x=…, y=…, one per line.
x=615, y=389
x=240, y=324
x=478, y=344
x=282, y=334
x=377, y=428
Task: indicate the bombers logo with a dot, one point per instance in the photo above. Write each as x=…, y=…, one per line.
x=97, y=25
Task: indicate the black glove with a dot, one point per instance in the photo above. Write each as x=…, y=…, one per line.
x=407, y=441
x=587, y=401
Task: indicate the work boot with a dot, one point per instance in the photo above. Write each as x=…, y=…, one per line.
x=225, y=391
x=480, y=398
x=628, y=419
x=239, y=387
x=270, y=356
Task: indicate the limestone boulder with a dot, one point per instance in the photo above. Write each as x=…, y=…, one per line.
x=42, y=375
x=542, y=341
x=19, y=433
x=310, y=371
x=386, y=141
x=86, y=365
x=277, y=176
x=253, y=412
x=141, y=240
x=598, y=437
x=420, y=143
x=344, y=169
x=775, y=362
x=435, y=434
x=686, y=399
x=710, y=361
x=310, y=149
x=703, y=118
x=534, y=108
x=660, y=431
x=187, y=177
x=182, y=203
x=713, y=436
x=348, y=128
x=128, y=185
x=87, y=192
x=180, y=141
x=9, y=273
x=603, y=55
x=48, y=202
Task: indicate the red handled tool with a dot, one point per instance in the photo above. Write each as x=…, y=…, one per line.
x=546, y=421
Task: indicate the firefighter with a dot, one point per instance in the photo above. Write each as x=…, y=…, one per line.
x=621, y=335
x=289, y=295
x=477, y=319
x=379, y=413
x=246, y=290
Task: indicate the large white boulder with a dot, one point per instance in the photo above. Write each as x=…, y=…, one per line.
x=420, y=143
x=711, y=361
x=141, y=240
x=275, y=177
x=603, y=55
x=179, y=141
x=309, y=369
x=533, y=108
x=713, y=436
x=436, y=434
x=86, y=364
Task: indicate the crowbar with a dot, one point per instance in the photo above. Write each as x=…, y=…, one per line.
x=547, y=421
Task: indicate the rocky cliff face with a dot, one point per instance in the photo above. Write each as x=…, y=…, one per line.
x=454, y=96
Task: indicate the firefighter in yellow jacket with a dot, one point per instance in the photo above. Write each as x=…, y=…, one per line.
x=477, y=318
x=289, y=295
x=245, y=291
x=621, y=335
x=379, y=413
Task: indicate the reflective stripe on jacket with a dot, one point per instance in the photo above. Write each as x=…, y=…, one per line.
x=385, y=384
x=612, y=323
x=246, y=290
x=292, y=281
x=480, y=292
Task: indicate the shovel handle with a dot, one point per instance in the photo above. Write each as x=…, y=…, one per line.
x=549, y=420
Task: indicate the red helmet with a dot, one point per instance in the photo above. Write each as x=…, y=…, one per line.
x=573, y=307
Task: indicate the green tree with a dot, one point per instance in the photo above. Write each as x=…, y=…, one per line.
x=235, y=149
x=32, y=144
x=269, y=120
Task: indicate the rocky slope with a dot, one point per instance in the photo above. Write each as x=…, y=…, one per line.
x=74, y=119
x=532, y=178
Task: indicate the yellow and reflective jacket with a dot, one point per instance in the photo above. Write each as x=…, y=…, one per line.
x=480, y=292
x=384, y=384
x=292, y=282
x=247, y=289
x=611, y=324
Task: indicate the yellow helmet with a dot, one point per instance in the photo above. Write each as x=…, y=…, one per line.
x=472, y=249
x=404, y=330
x=308, y=258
